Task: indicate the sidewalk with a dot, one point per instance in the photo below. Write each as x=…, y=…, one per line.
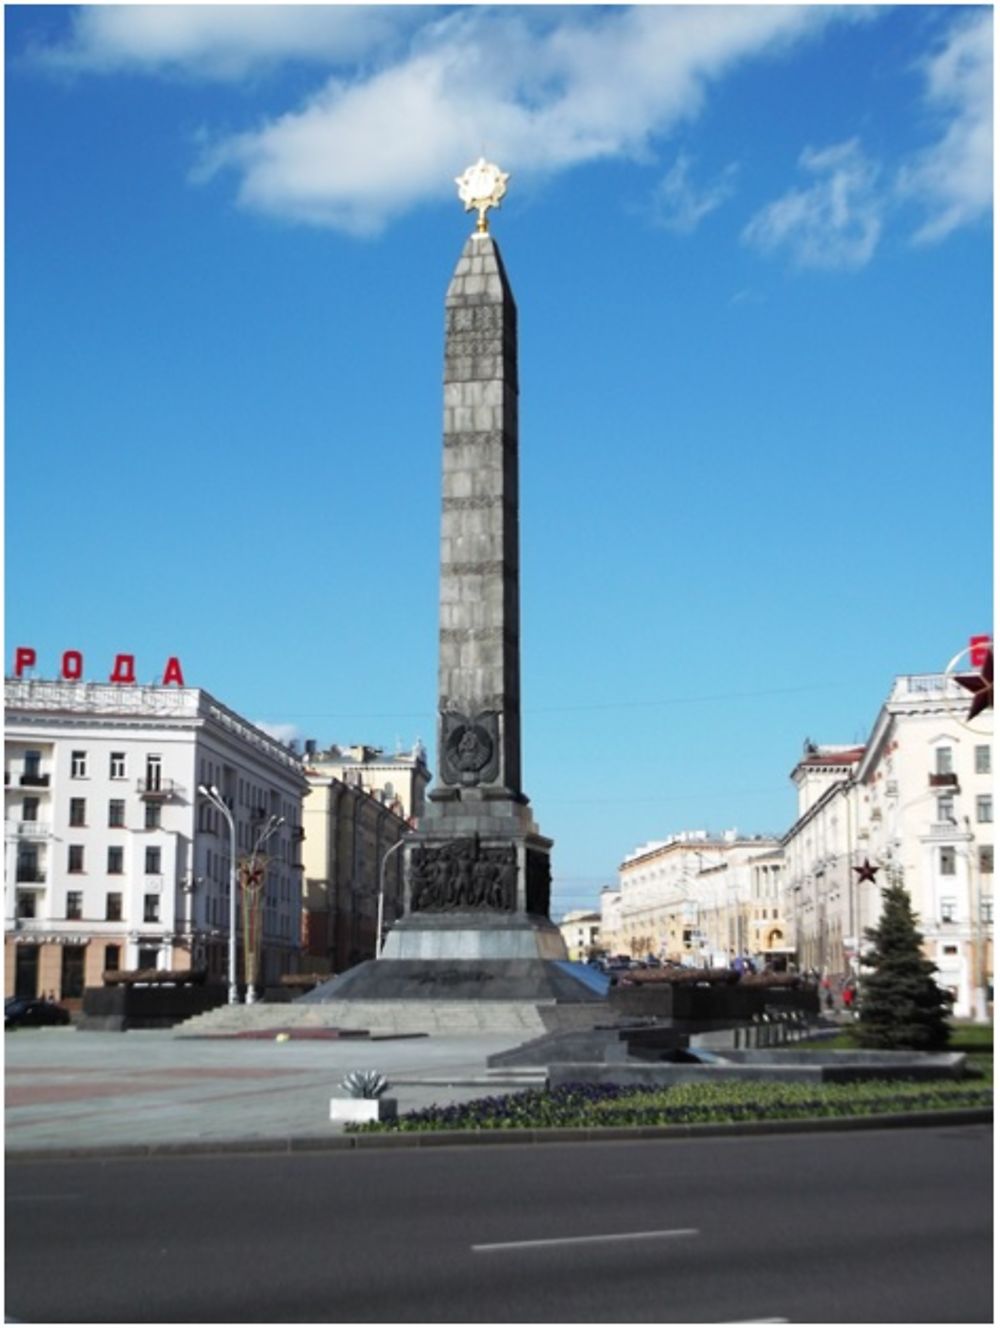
x=69, y=1089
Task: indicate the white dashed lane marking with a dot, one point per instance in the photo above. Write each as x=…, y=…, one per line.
x=583, y=1240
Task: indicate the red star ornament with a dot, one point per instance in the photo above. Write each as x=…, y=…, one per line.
x=866, y=872
x=980, y=685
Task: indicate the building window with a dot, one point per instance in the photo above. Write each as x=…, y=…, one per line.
x=153, y=861
x=78, y=811
x=946, y=808
x=116, y=860
x=153, y=810
x=112, y=958
x=154, y=773
x=116, y=813
x=946, y=861
x=29, y=809
x=74, y=904
x=149, y=956
x=78, y=765
x=26, y=904
x=32, y=764
x=984, y=765
x=984, y=809
x=113, y=906
x=74, y=860
x=117, y=766
x=986, y=910
x=986, y=859
x=72, y=971
x=150, y=909
x=942, y=761
x=27, y=864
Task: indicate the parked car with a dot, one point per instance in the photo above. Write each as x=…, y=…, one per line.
x=25, y=1012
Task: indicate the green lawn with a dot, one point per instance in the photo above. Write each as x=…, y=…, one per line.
x=976, y=1040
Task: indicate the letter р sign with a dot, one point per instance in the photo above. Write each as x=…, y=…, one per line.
x=979, y=648
x=71, y=667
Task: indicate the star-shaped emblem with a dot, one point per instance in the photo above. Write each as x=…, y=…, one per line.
x=481, y=187
x=980, y=685
x=866, y=872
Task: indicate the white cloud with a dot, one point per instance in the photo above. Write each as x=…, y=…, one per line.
x=220, y=41
x=679, y=205
x=834, y=223
x=284, y=733
x=545, y=89
x=953, y=178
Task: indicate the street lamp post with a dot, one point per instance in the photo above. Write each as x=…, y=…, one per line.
x=212, y=794
x=381, y=894
x=273, y=825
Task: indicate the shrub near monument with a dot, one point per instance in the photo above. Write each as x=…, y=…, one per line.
x=902, y=1007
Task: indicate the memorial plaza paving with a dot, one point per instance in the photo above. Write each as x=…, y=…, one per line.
x=67, y=1089
x=74, y=1093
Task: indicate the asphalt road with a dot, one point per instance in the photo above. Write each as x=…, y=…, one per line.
x=880, y=1227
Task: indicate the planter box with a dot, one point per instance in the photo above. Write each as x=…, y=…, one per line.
x=361, y=1109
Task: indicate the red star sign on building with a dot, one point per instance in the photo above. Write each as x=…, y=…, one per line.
x=980, y=685
x=866, y=872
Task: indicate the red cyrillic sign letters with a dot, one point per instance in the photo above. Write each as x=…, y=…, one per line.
x=71, y=667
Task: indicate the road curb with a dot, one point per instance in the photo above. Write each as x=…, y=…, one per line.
x=465, y=1138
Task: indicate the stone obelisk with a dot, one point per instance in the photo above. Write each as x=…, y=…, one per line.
x=477, y=875
x=475, y=929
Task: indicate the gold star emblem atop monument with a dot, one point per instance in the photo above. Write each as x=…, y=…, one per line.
x=481, y=187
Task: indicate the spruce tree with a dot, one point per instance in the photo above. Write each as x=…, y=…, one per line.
x=901, y=1004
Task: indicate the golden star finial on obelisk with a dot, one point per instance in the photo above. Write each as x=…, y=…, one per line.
x=481, y=187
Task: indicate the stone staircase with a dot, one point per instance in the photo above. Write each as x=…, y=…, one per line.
x=382, y=1017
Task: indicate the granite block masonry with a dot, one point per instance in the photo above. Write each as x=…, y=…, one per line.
x=477, y=875
x=479, y=855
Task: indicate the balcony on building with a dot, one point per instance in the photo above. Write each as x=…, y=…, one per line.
x=157, y=790
x=945, y=830
x=29, y=875
x=33, y=830
x=947, y=780
x=34, y=780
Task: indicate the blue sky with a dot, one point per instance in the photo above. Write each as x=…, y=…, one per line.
x=751, y=250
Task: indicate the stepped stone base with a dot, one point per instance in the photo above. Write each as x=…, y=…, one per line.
x=438, y=980
x=436, y=1018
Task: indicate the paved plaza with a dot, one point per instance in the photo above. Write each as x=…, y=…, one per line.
x=67, y=1089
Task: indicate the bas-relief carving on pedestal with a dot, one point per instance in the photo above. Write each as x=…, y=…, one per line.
x=470, y=747
x=463, y=874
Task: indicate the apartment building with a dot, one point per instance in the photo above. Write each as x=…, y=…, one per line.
x=361, y=804
x=113, y=860
x=915, y=805
x=580, y=930
x=698, y=898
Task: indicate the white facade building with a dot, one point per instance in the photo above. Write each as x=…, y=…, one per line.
x=916, y=802
x=699, y=899
x=580, y=930
x=113, y=860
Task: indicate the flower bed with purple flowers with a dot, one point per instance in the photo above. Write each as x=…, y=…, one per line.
x=594, y=1105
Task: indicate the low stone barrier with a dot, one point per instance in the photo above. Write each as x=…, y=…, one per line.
x=123, y=1006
